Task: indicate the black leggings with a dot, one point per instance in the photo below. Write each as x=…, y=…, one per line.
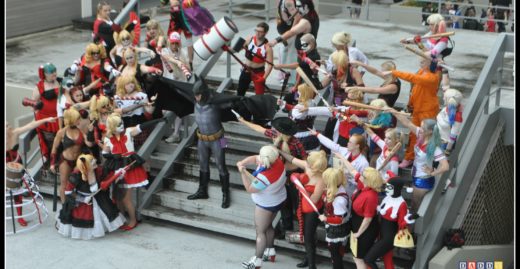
x=337, y=250
x=388, y=230
x=310, y=224
x=290, y=204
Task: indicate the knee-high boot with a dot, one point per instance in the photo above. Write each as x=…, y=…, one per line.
x=202, y=192
x=226, y=199
x=18, y=199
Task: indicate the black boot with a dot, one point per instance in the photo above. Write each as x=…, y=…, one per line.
x=226, y=199
x=304, y=263
x=202, y=192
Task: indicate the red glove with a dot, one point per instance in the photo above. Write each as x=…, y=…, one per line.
x=417, y=39
x=153, y=43
x=116, y=27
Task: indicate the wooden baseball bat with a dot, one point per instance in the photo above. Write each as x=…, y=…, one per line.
x=309, y=82
x=410, y=39
x=350, y=103
x=421, y=54
x=390, y=155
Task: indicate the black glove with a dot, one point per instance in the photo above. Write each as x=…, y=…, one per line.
x=91, y=137
x=151, y=123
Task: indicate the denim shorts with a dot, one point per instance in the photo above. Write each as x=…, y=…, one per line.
x=272, y=209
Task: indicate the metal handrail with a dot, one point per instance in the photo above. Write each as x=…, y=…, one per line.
x=132, y=5
x=476, y=107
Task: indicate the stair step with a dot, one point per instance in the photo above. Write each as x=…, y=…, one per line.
x=189, y=186
x=238, y=212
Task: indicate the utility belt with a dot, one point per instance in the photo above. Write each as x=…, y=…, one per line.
x=254, y=70
x=211, y=137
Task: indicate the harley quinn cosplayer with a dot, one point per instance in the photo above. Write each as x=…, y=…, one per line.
x=394, y=217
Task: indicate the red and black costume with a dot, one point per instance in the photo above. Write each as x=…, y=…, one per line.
x=308, y=219
x=104, y=30
x=364, y=205
x=47, y=131
x=337, y=225
x=394, y=217
x=89, y=74
x=80, y=218
x=12, y=155
x=256, y=53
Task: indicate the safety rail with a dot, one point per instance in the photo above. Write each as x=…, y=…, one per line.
x=131, y=6
x=431, y=210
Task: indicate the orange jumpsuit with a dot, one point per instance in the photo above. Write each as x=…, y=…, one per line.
x=423, y=101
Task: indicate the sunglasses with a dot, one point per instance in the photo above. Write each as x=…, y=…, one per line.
x=125, y=39
x=129, y=58
x=95, y=53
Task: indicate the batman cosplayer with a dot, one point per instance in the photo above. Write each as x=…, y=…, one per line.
x=211, y=109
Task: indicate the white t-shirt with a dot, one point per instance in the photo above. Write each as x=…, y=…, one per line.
x=177, y=72
x=354, y=54
x=137, y=98
x=271, y=184
x=392, y=165
x=421, y=159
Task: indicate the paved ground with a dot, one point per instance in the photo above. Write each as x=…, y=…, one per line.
x=158, y=244
x=152, y=244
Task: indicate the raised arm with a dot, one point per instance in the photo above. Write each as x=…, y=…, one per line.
x=254, y=127
x=291, y=159
x=348, y=165
x=369, y=68
x=404, y=120
x=31, y=125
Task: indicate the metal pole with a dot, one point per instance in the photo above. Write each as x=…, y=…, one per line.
x=228, y=57
x=12, y=209
x=55, y=194
x=368, y=1
x=439, y=8
x=267, y=8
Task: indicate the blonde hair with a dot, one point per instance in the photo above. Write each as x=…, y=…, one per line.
x=394, y=135
x=268, y=155
x=438, y=21
x=306, y=94
x=84, y=163
x=70, y=117
x=381, y=103
x=96, y=103
x=153, y=24
x=282, y=141
x=389, y=66
x=317, y=161
x=372, y=179
x=333, y=178
x=341, y=39
x=94, y=47
x=113, y=121
x=340, y=59
x=118, y=37
x=357, y=95
x=125, y=80
x=131, y=50
x=453, y=97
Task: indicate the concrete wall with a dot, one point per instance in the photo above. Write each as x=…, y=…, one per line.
x=25, y=17
x=14, y=95
x=490, y=253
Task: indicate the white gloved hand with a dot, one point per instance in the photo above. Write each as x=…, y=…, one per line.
x=122, y=171
x=115, y=72
x=74, y=67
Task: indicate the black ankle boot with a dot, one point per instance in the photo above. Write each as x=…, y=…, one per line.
x=226, y=199
x=303, y=264
x=202, y=192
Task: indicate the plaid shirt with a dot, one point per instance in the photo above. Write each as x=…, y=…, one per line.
x=295, y=146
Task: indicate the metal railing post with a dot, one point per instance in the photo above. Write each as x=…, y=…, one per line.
x=367, y=8
x=267, y=8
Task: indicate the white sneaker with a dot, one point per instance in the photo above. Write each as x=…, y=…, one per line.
x=174, y=138
x=253, y=263
x=269, y=255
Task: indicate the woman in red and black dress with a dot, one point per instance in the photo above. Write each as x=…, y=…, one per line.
x=46, y=92
x=312, y=180
x=365, y=226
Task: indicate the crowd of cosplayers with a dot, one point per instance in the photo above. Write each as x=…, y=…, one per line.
x=91, y=123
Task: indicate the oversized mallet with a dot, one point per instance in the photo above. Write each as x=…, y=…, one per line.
x=309, y=82
x=390, y=155
x=421, y=54
x=360, y=105
x=302, y=190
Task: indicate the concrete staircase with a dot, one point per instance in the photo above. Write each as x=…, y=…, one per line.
x=170, y=203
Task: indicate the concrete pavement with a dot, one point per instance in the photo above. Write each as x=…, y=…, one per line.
x=153, y=244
